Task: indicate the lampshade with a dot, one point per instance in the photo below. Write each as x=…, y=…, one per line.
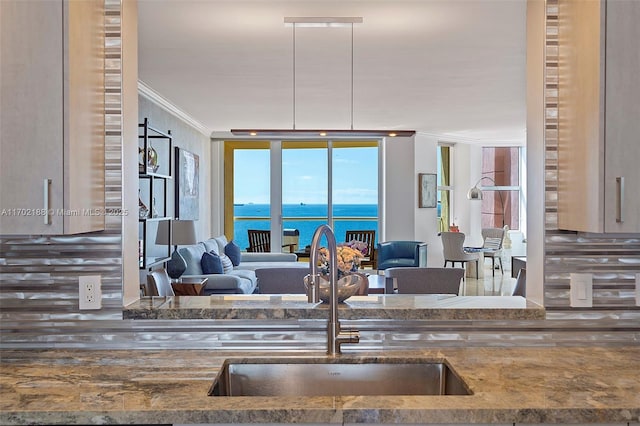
x=183, y=232
x=474, y=193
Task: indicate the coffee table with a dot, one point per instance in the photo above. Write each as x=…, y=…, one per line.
x=188, y=286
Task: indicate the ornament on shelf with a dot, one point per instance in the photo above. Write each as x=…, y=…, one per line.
x=152, y=160
x=143, y=210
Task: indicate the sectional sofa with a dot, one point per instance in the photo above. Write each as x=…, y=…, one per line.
x=239, y=280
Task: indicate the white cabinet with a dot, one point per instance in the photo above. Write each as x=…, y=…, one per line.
x=51, y=117
x=599, y=116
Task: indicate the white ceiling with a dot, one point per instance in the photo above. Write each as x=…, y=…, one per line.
x=453, y=68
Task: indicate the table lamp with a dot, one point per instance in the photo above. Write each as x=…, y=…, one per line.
x=183, y=232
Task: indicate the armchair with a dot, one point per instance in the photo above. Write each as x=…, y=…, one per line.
x=393, y=254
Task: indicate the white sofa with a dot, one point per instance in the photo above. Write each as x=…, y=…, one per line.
x=242, y=279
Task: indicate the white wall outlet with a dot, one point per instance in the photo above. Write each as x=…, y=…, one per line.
x=581, y=290
x=90, y=294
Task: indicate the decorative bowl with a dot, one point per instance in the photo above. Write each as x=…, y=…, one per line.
x=348, y=285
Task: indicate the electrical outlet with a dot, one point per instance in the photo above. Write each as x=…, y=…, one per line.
x=90, y=292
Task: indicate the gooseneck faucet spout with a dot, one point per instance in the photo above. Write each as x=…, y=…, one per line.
x=336, y=335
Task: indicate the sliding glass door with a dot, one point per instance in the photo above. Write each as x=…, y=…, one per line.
x=249, y=169
x=354, y=187
x=305, y=190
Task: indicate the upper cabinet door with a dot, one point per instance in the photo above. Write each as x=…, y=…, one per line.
x=622, y=117
x=599, y=116
x=31, y=126
x=51, y=117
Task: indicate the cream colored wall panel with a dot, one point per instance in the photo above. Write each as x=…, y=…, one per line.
x=598, y=110
x=580, y=106
x=84, y=115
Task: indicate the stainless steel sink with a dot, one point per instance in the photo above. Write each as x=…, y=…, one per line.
x=335, y=377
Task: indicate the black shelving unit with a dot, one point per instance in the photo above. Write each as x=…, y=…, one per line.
x=157, y=182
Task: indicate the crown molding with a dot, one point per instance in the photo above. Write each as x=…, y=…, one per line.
x=453, y=139
x=147, y=92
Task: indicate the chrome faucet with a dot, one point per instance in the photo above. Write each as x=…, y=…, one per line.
x=336, y=335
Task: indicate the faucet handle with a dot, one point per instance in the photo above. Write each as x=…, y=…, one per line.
x=313, y=287
x=347, y=335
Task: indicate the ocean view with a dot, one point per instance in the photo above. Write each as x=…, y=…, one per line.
x=296, y=216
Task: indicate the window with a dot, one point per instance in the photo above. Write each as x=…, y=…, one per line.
x=501, y=200
x=333, y=182
x=444, y=187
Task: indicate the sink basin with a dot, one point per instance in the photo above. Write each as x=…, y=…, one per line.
x=335, y=377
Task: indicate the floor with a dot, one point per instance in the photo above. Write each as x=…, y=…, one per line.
x=489, y=285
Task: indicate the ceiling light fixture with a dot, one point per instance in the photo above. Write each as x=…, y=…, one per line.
x=328, y=22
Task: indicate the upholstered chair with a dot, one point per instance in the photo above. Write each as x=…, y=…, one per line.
x=393, y=254
x=453, y=249
x=424, y=280
x=159, y=279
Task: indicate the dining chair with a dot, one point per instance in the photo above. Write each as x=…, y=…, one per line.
x=160, y=281
x=260, y=241
x=424, y=280
x=492, y=246
x=369, y=238
x=453, y=248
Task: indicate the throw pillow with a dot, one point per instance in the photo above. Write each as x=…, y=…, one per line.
x=227, y=265
x=211, y=264
x=233, y=251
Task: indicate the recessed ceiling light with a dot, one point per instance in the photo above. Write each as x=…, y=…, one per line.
x=323, y=133
x=392, y=134
x=253, y=133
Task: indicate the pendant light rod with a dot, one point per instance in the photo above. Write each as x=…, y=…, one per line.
x=294, y=76
x=352, y=76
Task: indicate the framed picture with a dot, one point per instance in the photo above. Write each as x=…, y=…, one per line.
x=427, y=190
x=187, y=170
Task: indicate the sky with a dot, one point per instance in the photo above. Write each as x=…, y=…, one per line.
x=305, y=176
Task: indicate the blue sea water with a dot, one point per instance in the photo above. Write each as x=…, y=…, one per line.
x=346, y=217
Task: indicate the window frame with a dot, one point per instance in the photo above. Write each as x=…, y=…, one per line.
x=276, y=147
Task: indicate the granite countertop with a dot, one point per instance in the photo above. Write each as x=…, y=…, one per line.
x=510, y=385
x=396, y=306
